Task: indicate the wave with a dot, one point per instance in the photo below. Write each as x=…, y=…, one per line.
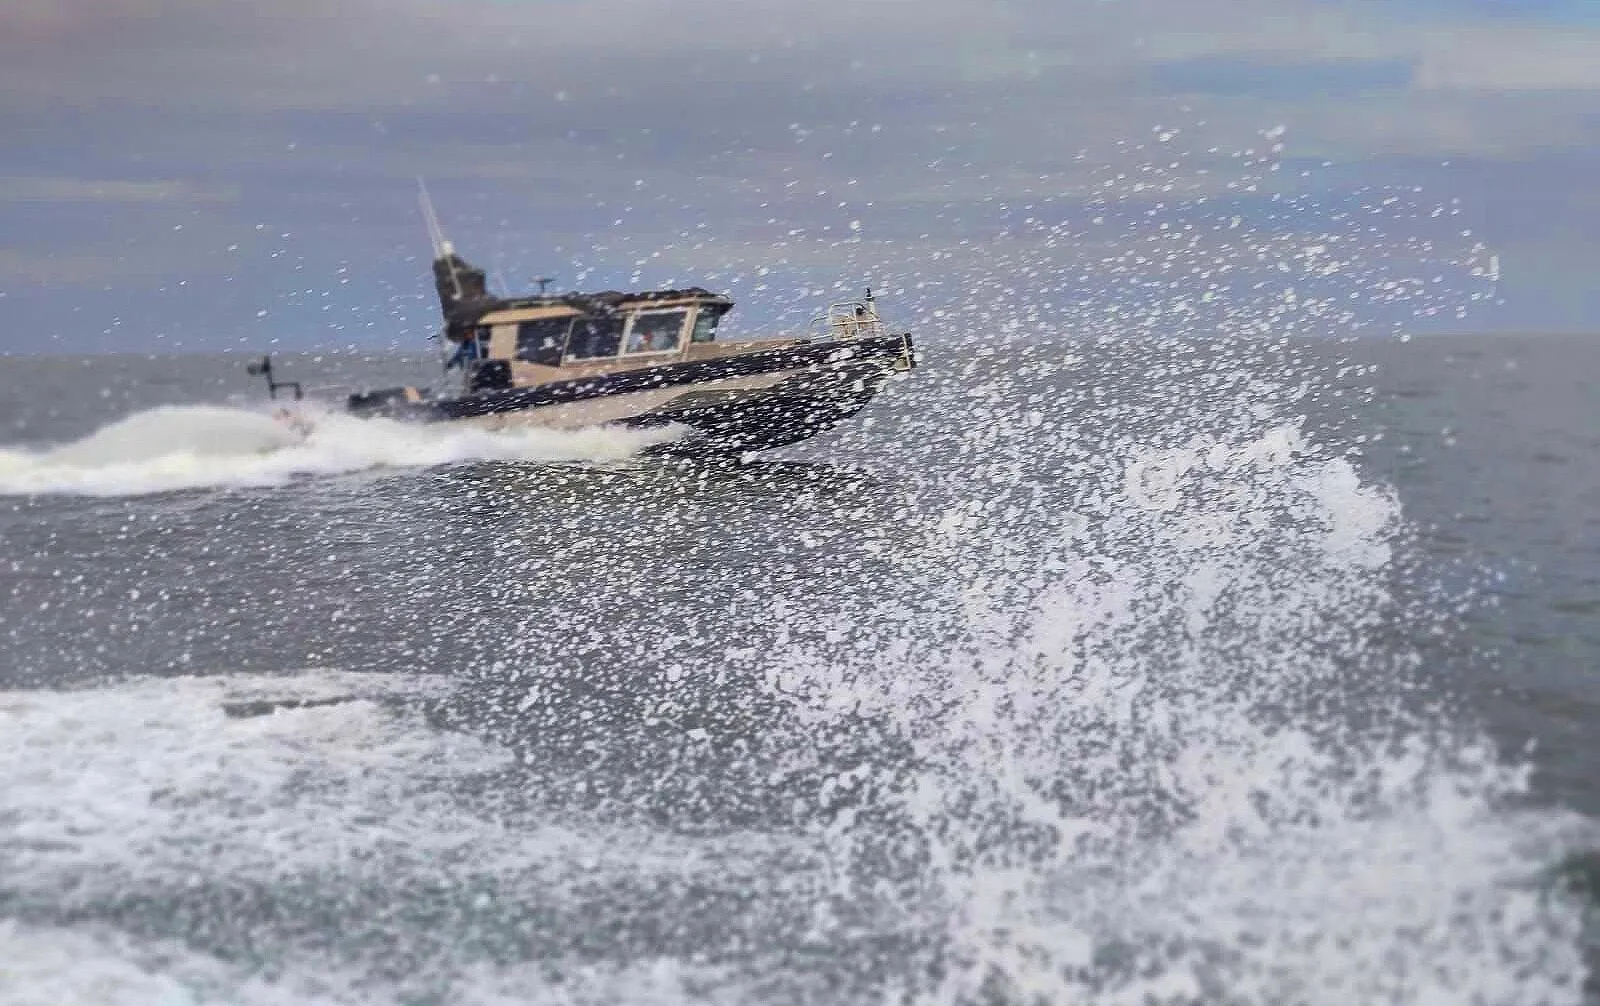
x=195, y=447
x=69, y=966
x=279, y=777
x=56, y=965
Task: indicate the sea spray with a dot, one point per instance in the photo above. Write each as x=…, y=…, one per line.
x=1167, y=762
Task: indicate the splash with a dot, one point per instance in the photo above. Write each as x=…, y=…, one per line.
x=1167, y=762
x=195, y=447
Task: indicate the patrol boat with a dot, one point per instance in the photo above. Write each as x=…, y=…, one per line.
x=642, y=360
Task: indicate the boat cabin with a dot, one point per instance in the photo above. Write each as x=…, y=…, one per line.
x=525, y=341
x=548, y=338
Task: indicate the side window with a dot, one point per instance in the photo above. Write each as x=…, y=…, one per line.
x=595, y=338
x=656, y=331
x=705, y=325
x=543, y=341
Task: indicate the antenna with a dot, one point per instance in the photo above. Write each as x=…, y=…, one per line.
x=441, y=247
x=435, y=235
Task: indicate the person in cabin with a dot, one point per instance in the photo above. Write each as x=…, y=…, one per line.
x=465, y=353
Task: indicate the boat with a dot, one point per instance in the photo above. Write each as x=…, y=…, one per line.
x=642, y=360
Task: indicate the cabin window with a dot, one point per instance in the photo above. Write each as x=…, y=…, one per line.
x=595, y=338
x=656, y=331
x=705, y=325
x=543, y=341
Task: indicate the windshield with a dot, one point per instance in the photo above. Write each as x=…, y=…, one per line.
x=705, y=325
x=656, y=331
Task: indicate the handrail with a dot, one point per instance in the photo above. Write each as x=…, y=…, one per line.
x=849, y=319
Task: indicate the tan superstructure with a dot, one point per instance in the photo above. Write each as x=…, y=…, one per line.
x=560, y=339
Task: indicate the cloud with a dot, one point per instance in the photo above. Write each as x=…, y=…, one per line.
x=70, y=269
x=77, y=190
x=550, y=68
x=707, y=127
x=1233, y=76
x=1519, y=127
x=1511, y=59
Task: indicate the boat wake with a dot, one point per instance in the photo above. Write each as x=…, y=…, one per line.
x=196, y=447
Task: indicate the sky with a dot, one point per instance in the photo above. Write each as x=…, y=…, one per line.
x=223, y=174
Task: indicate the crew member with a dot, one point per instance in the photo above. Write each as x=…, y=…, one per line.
x=464, y=354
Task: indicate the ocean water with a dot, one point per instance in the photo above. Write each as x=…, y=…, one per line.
x=1076, y=670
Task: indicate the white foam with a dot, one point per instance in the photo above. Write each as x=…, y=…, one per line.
x=131, y=778
x=47, y=966
x=149, y=783
x=191, y=447
x=53, y=966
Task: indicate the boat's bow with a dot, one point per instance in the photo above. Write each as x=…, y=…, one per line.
x=837, y=380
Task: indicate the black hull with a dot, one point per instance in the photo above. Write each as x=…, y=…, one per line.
x=832, y=381
x=793, y=411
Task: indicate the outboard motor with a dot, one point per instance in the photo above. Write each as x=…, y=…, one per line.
x=263, y=368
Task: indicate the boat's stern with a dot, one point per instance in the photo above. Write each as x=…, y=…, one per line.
x=295, y=420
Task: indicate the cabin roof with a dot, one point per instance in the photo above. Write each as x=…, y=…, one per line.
x=466, y=302
x=607, y=301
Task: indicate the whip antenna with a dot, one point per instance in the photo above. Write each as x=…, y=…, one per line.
x=441, y=247
x=435, y=235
